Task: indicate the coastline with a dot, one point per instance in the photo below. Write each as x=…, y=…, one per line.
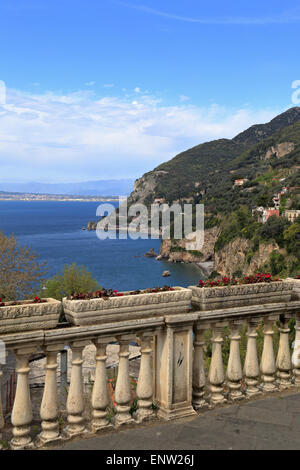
x=59, y=199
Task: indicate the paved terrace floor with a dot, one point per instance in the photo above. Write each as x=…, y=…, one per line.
x=268, y=423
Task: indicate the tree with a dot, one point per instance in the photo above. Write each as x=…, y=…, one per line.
x=72, y=279
x=20, y=272
x=274, y=228
x=292, y=238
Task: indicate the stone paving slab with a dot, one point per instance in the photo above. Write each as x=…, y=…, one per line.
x=268, y=423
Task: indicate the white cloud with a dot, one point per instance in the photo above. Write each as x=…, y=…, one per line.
x=137, y=90
x=183, y=98
x=285, y=17
x=91, y=83
x=108, y=85
x=78, y=136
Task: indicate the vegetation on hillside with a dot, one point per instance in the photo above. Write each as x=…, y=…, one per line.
x=20, y=271
x=207, y=174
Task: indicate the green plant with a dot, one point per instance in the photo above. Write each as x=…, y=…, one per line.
x=20, y=271
x=134, y=406
x=72, y=279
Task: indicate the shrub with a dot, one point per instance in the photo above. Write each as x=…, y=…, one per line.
x=72, y=279
x=20, y=272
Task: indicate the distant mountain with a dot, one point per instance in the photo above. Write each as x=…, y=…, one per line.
x=259, y=132
x=121, y=187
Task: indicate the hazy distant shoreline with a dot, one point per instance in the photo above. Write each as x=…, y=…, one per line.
x=55, y=197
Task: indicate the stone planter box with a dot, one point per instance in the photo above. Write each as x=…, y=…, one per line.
x=29, y=316
x=211, y=298
x=127, y=307
x=296, y=289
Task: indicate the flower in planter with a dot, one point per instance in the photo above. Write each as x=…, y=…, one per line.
x=36, y=300
x=227, y=281
x=107, y=293
x=2, y=304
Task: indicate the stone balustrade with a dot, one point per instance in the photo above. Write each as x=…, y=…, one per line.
x=179, y=372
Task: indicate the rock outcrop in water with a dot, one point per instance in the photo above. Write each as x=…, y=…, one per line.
x=92, y=225
x=151, y=254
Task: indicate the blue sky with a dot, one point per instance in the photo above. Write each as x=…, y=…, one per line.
x=108, y=88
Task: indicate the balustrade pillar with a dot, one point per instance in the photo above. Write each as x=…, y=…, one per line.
x=50, y=401
x=234, y=368
x=268, y=365
x=144, y=388
x=173, y=367
x=1, y=409
x=216, y=374
x=22, y=410
x=75, y=401
x=296, y=353
x=251, y=366
x=199, y=380
x=283, y=361
x=100, y=395
x=123, y=390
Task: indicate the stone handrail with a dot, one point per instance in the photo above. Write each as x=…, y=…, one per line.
x=174, y=374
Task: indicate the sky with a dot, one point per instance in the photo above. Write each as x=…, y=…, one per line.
x=102, y=89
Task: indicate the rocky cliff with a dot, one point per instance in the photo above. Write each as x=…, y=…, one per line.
x=175, y=250
x=236, y=257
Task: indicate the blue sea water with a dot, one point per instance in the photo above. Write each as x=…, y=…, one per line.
x=54, y=231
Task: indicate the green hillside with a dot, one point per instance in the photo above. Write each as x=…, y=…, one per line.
x=267, y=158
x=207, y=172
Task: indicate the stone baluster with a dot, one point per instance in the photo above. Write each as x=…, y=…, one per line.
x=234, y=368
x=283, y=361
x=144, y=388
x=50, y=401
x=216, y=374
x=296, y=353
x=22, y=410
x=75, y=401
x=1, y=409
x=100, y=395
x=268, y=365
x=251, y=366
x=199, y=380
x=122, y=390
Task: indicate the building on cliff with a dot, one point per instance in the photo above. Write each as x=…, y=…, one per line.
x=292, y=214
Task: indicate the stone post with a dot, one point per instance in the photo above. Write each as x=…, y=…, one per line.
x=283, y=361
x=22, y=410
x=268, y=366
x=100, y=395
x=198, y=367
x=251, y=366
x=1, y=407
x=123, y=390
x=216, y=374
x=173, y=366
x=50, y=401
x=144, y=388
x=296, y=352
x=75, y=401
x=234, y=368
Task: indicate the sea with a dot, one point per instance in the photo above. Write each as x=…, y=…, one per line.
x=53, y=230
